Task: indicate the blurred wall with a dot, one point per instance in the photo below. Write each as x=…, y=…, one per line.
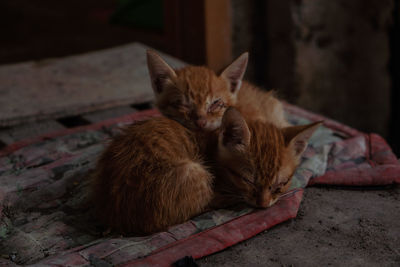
x=243, y=33
x=331, y=57
x=342, y=59
x=394, y=129
x=37, y=29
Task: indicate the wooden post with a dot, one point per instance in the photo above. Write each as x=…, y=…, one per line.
x=218, y=31
x=199, y=31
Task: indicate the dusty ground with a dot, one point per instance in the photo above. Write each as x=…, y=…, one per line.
x=334, y=226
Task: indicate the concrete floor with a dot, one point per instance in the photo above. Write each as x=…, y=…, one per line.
x=334, y=227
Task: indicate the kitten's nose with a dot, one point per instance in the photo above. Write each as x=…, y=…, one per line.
x=264, y=199
x=201, y=122
x=263, y=203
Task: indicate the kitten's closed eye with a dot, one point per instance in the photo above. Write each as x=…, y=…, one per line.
x=178, y=104
x=278, y=188
x=216, y=105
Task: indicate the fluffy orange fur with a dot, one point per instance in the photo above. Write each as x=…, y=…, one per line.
x=255, y=104
x=197, y=97
x=152, y=176
x=256, y=160
x=188, y=95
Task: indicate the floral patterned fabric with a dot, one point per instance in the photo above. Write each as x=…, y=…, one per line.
x=45, y=214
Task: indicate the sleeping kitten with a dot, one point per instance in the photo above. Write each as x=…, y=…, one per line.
x=197, y=98
x=152, y=175
x=255, y=160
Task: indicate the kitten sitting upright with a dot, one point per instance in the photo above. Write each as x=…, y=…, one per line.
x=196, y=97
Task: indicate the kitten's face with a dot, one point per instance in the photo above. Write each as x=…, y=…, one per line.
x=258, y=160
x=195, y=96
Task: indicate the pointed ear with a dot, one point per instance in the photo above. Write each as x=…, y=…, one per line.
x=235, y=71
x=160, y=72
x=297, y=136
x=234, y=132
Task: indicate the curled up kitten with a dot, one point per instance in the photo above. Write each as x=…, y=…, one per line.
x=255, y=160
x=150, y=177
x=197, y=97
x=157, y=173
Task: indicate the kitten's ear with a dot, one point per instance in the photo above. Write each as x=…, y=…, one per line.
x=297, y=136
x=160, y=72
x=235, y=71
x=234, y=133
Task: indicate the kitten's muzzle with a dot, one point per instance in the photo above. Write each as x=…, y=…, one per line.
x=201, y=123
x=265, y=199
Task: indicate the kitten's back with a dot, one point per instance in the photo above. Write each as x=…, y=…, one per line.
x=151, y=177
x=255, y=104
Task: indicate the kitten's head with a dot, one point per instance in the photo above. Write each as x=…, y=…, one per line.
x=257, y=160
x=195, y=96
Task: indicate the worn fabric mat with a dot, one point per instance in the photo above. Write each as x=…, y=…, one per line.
x=45, y=216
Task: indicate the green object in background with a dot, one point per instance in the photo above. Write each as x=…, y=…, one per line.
x=146, y=14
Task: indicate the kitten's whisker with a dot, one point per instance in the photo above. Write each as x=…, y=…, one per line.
x=289, y=193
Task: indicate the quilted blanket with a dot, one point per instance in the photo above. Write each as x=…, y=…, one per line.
x=45, y=216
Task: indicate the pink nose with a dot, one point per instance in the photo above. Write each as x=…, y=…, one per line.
x=264, y=199
x=201, y=123
x=263, y=203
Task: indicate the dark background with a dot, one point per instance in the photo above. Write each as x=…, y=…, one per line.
x=339, y=58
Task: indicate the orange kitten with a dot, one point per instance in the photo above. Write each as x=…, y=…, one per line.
x=255, y=160
x=196, y=97
x=152, y=175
